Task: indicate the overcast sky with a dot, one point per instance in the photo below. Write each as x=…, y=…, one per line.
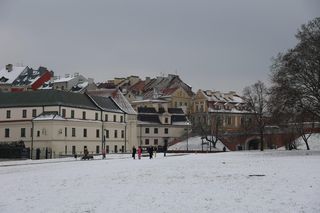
x=212, y=44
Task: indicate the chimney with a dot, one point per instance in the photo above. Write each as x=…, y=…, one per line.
x=9, y=67
x=147, y=80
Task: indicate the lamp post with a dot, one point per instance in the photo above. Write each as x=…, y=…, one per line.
x=188, y=137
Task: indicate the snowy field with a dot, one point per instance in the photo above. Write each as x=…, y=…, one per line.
x=271, y=181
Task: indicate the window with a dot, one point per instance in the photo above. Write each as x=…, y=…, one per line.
x=65, y=131
x=121, y=119
x=97, y=149
x=155, y=130
x=24, y=113
x=147, y=130
x=8, y=114
x=146, y=141
x=23, y=132
x=84, y=133
x=97, y=116
x=155, y=141
x=107, y=149
x=107, y=133
x=73, y=150
x=115, y=133
x=114, y=118
x=63, y=113
x=72, y=113
x=106, y=117
x=122, y=149
x=166, y=130
x=66, y=150
x=38, y=133
x=229, y=120
x=122, y=133
x=166, y=120
x=83, y=115
x=6, y=132
x=34, y=113
x=73, y=132
x=97, y=133
x=115, y=148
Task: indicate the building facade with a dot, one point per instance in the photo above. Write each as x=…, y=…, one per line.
x=58, y=123
x=159, y=125
x=214, y=111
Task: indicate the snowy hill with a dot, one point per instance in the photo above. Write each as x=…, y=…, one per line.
x=313, y=141
x=195, y=144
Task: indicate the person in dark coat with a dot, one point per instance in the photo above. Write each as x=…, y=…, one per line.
x=165, y=148
x=134, y=151
x=150, y=150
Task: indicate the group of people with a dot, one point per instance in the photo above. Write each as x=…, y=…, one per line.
x=134, y=151
x=152, y=151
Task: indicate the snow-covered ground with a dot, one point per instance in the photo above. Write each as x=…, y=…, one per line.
x=270, y=181
x=195, y=144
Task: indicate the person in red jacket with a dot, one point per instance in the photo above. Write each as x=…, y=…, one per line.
x=139, y=152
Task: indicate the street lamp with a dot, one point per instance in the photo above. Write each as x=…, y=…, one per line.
x=187, y=136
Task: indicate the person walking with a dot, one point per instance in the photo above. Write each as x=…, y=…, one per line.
x=155, y=151
x=134, y=151
x=139, y=152
x=165, y=148
x=150, y=150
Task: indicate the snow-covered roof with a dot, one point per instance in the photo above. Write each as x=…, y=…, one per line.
x=118, y=98
x=60, y=80
x=8, y=77
x=150, y=101
x=233, y=110
x=49, y=116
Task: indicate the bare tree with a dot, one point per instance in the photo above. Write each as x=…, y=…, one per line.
x=212, y=129
x=256, y=99
x=304, y=127
x=296, y=74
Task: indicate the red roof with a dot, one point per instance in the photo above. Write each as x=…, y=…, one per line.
x=138, y=86
x=169, y=91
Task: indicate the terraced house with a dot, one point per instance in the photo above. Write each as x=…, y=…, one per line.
x=160, y=125
x=213, y=110
x=54, y=123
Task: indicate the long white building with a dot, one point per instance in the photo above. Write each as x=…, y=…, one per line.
x=56, y=123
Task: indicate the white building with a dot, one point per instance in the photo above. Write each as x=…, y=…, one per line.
x=60, y=123
x=159, y=125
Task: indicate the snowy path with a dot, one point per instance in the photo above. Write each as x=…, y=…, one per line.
x=189, y=183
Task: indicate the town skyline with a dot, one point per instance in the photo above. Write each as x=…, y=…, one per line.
x=206, y=43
